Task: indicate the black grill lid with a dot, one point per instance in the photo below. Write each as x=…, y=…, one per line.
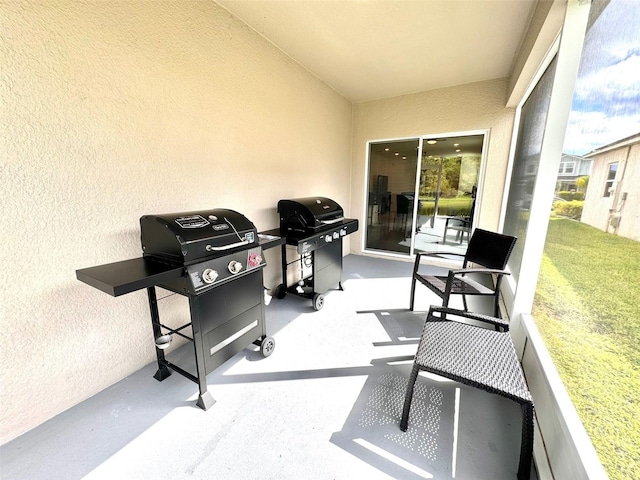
x=310, y=214
x=188, y=237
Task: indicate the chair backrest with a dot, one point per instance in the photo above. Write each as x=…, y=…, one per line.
x=402, y=204
x=489, y=249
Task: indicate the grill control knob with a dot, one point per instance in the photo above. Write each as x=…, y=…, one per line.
x=336, y=235
x=209, y=275
x=328, y=238
x=254, y=260
x=235, y=267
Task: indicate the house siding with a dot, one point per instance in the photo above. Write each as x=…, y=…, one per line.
x=618, y=213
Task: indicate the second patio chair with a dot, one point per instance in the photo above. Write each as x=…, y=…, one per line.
x=480, y=357
x=483, y=266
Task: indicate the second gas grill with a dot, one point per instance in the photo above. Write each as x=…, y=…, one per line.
x=314, y=227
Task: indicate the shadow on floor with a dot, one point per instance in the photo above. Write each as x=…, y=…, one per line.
x=326, y=405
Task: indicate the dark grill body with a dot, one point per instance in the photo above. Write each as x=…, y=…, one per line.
x=215, y=259
x=315, y=226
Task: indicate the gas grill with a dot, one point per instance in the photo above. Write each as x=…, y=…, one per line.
x=213, y=257
x=315, y=226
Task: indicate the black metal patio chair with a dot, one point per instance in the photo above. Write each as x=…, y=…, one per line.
x=488, y=252
x=476, y=356
x=460, y=225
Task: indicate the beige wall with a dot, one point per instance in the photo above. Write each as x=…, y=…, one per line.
x=476, y=106
x=600, y=211
x=112, y=110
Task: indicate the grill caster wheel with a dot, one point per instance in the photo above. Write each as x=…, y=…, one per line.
x=267, y=346
x=318, y=301
x=281, y=292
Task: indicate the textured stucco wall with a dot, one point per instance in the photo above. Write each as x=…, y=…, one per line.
x=111, y=110
x=476, y=106
x=624, y=201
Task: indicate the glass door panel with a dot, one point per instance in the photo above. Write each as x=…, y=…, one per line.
x=448, y=184
x=391, y=183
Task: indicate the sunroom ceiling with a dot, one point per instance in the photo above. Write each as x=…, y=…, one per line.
x=370, y=49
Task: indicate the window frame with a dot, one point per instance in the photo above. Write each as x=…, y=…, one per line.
x=564, y=170
x=609, y=182
x=557, y=423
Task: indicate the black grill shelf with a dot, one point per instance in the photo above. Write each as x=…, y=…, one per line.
x=128, y=276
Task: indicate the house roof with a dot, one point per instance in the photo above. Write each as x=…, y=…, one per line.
x=368, y=50
x=630, y=140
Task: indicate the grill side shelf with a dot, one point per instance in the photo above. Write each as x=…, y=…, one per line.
x=120, y=278
x=270, y=238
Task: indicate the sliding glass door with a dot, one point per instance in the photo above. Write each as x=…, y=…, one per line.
x=392, y=183
x=422, y=193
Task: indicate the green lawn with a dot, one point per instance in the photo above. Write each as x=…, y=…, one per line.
x=456, y=206
x=587, y=308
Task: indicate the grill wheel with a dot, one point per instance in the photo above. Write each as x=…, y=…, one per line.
x=267, y=346
x=281, y=292
x=318, y=301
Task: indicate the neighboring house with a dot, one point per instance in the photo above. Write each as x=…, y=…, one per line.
x=612, y=202
x=572, y=167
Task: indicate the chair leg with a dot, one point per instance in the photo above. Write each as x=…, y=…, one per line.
x=445, y=300
x=413, y=294
x=404, y=422
x=526, y=447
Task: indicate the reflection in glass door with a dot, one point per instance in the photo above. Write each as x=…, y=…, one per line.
x=448, y=184
x=446, y=193
x=392, y=183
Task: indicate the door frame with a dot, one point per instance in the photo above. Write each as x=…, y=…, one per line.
x=421, y=139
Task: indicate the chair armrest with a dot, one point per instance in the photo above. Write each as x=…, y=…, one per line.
x=464, y=220
x=416, y=265
x=478, y=270
x=496, y=322
x=439, y=254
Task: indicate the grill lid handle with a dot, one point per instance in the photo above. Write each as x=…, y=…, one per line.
x=209, y=248
x=335, y=220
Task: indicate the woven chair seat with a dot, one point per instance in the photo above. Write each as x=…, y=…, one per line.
x=478, y=357
x=474, y=356
x=462, y=286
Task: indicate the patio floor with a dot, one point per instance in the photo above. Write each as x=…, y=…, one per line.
x=325, y=405
x=395, y=236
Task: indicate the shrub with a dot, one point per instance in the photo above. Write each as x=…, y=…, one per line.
x=569, y=196
x=571, y=209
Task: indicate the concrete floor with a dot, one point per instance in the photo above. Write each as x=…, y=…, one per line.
x=325, y=405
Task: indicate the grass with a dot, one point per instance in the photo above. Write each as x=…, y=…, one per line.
x=456, y=206
x=587, y=308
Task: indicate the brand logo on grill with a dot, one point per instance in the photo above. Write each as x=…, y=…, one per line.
x=222, y=226
x=326, y=207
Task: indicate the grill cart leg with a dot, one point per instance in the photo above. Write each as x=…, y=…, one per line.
x=205, y=400
x=163, y=372
x=281, y=290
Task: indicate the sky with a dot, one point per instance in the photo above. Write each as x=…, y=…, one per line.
x=606, y=101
